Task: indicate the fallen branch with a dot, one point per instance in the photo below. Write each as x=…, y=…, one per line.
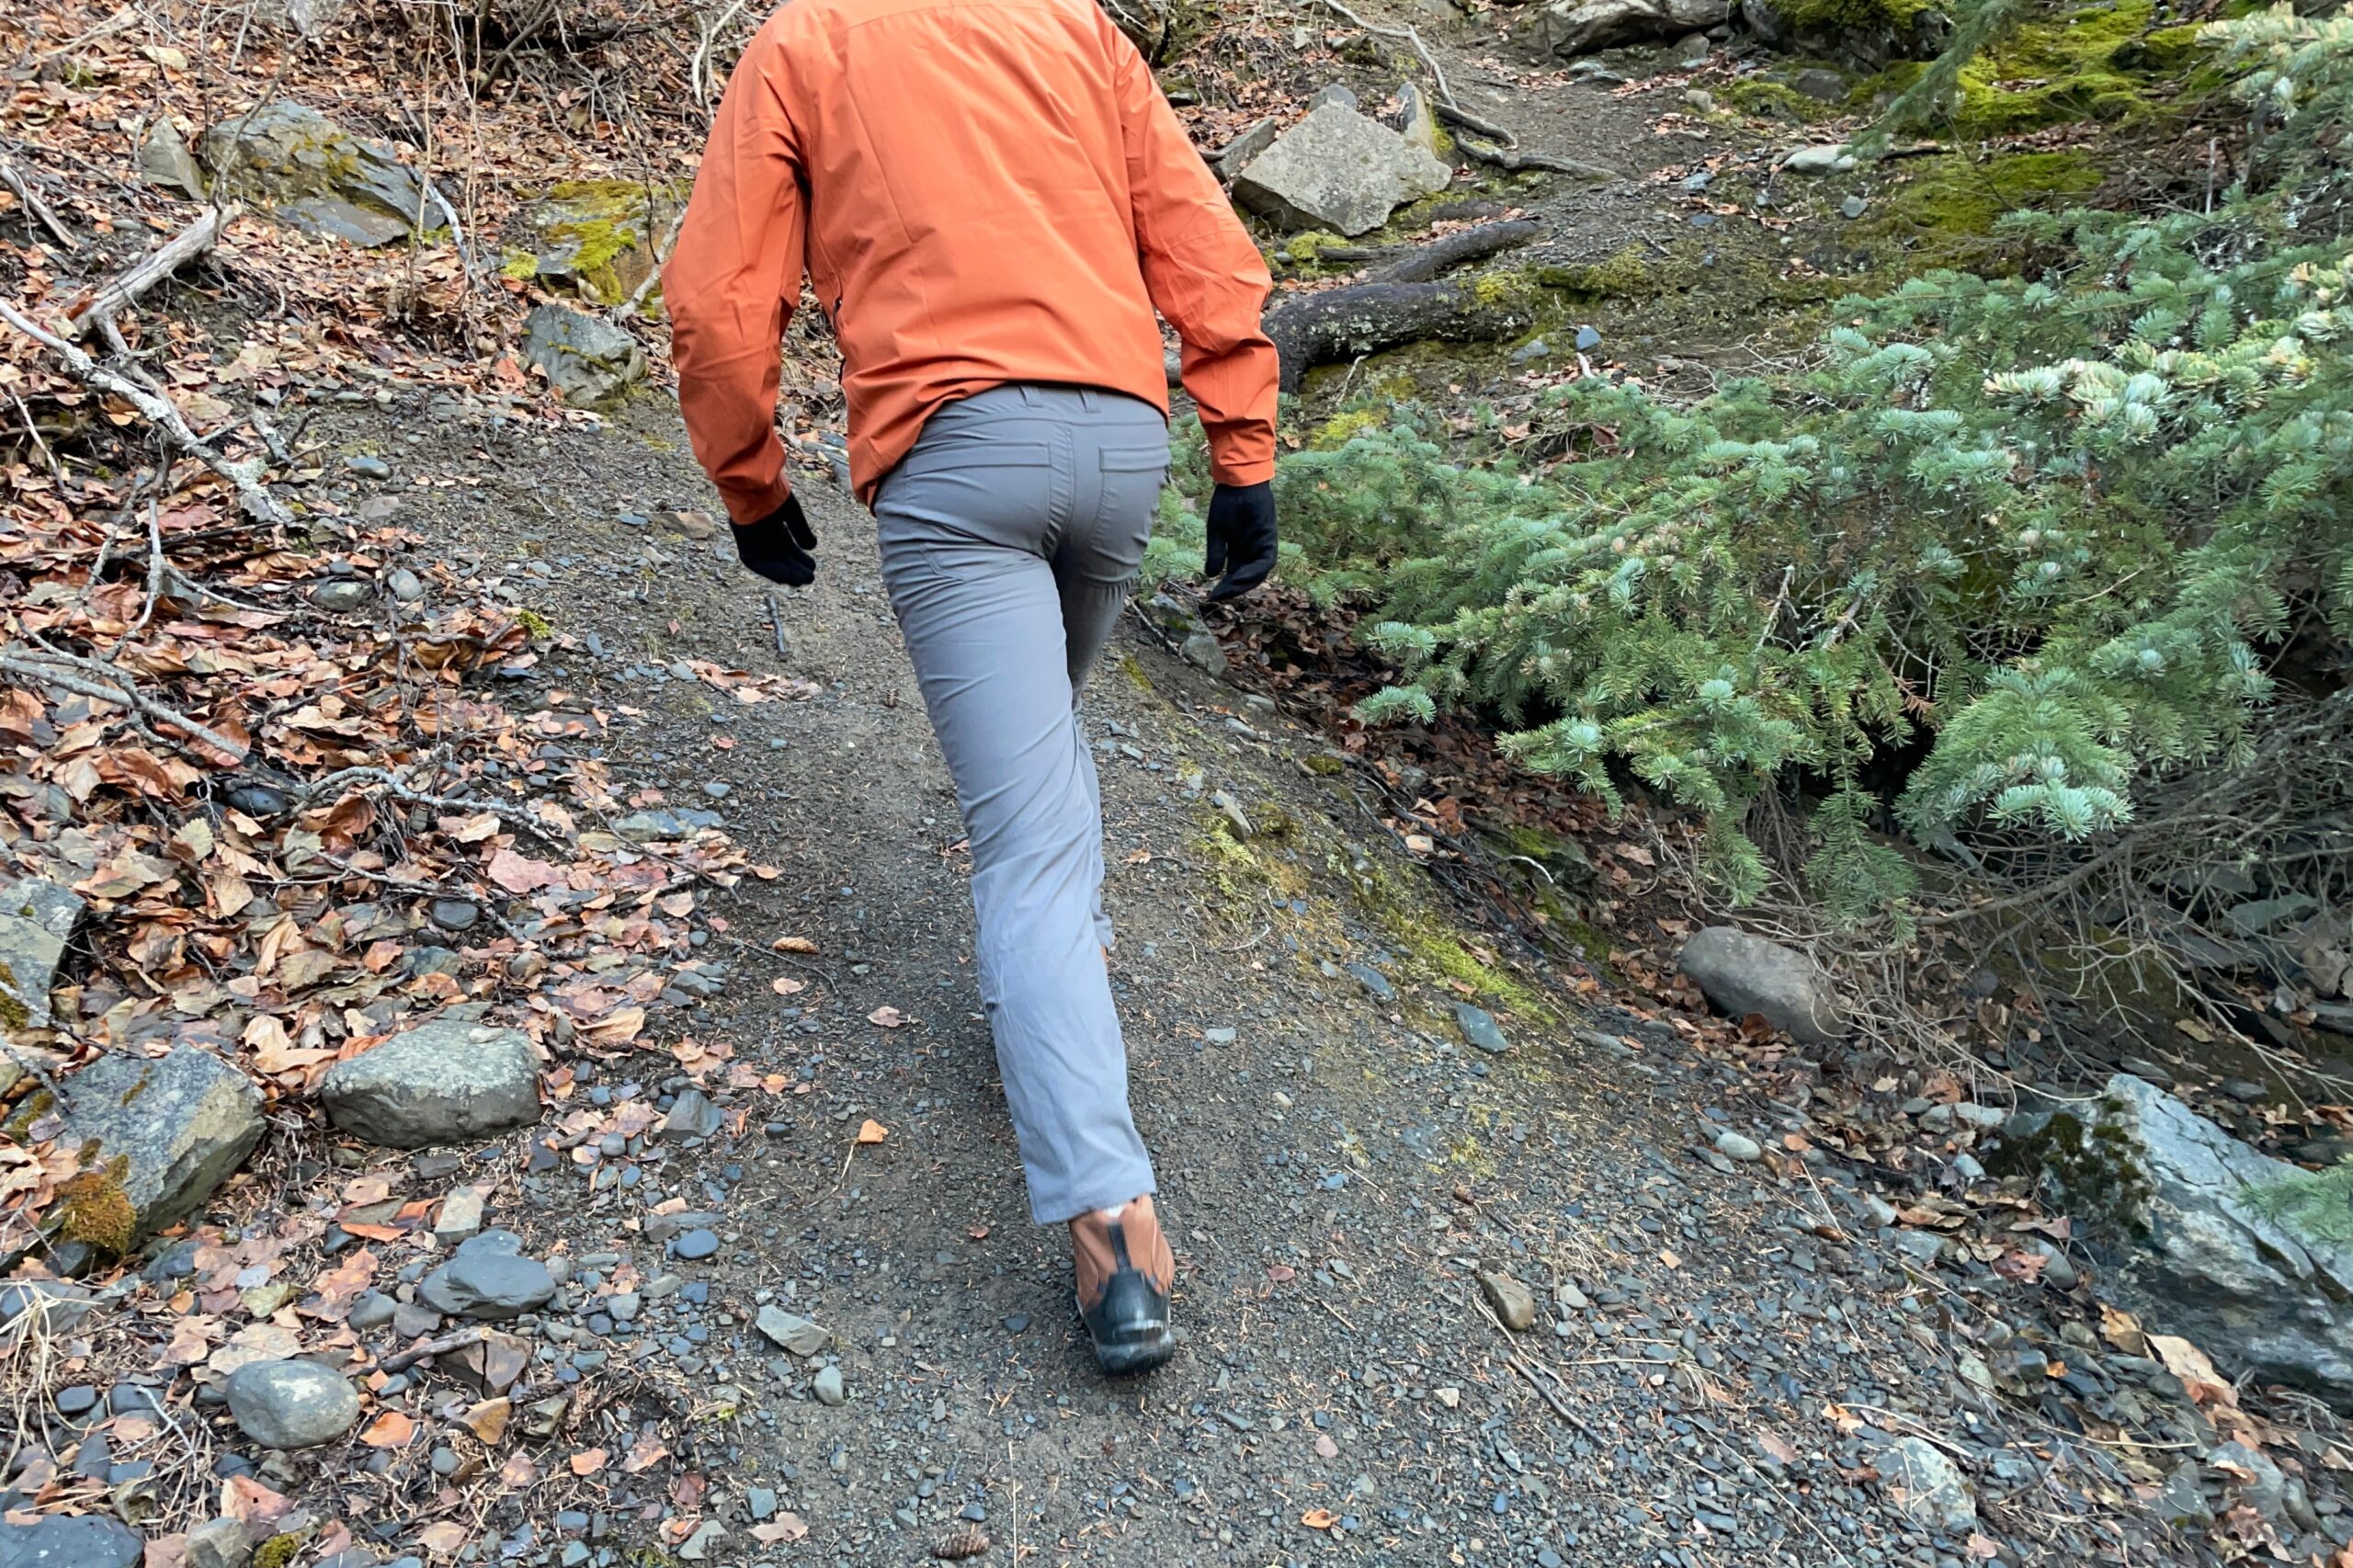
x=1513, y=162
x=1420, y=264
x=245, y=476
x=98, y=309
x=652, y=279
x=402, y=1360
x=36, y=206
x=103, y=683
x=1309, y=330
x=400, y=790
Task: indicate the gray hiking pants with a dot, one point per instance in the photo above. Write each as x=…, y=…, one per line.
x=1011, y=535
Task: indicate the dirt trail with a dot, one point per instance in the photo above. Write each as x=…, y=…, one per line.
x=1716, y=1350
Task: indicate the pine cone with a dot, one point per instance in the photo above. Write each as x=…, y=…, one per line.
x=970, y=1541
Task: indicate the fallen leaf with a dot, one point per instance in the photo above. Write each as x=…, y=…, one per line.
x=646, y=1452
x=886, y=1017
x=444, y=1539
x=587, y=1462
x=1777, y=1448
x=872, y=1131
x=785, y=1527
x=785, y=985
x=389, y=1430
x=518, y=874
x=794, y=945
x=1318, y=1519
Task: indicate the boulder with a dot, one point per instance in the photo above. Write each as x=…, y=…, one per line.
x=166, y=162
x=443, y=1082
x=586, y=358
x=57, y=1541
x=1337, y=170
x=305, y=169
x=1236, y=155
x=1579, y=26
x=1818, y=160
x=1926, y=1485
x=488, y=1278
x=1866, y=36
x=291, y=1405
x=164, y=1132
x=1417, y=123
x=1744, y=975
x=2176, y=1210
x=595, y=237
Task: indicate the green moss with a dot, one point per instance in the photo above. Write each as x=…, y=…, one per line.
x=1322, y=765
x=279, y=1551
x=94, y=1208
x=1342, y=428
x=535, y=623
x=1831, y=16
x=2054, y=72
x=31, y=1108
x=1305, y=248
x=519, y=265
x=2168, y=50
x=2090, y=1161
x=1762, y=100
x=606, y=227
x=1625, y=274
x=1944, y=215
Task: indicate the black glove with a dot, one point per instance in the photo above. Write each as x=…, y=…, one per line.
x=1242, y=538
x=778, y=546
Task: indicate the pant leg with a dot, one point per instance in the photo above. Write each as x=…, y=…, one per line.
x=1121, y=455
x=964, y=526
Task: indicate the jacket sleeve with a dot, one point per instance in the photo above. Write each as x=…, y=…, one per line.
x=733, y=279
x=1204, y=274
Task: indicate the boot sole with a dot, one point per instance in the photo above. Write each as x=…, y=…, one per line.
x=1128, y=1361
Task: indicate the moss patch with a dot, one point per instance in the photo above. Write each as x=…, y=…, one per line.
x=600, y=232
x=2099, y=63
x=1763, y=99
x=1625, y=274
x=1944, y=215
x=94, y=1208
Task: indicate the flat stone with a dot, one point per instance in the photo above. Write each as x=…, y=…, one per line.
x=1820, y=84
x=1337, y=170
x=1742, y=975
x=1927, y=1485
x=1739, y=1146
x=828, y=1386
x=1579, y=26
x=1512, y=1300
x=1818, y=160
x=460, y=1217
x=692, y=1116
x=33, y=947
x=455, y=913
x=218, y=1543
x=175, y=1127
x=442, y=1081
x=1479, y=1026
x=404, y=586
x=586, y=358
x=303, y=168
x=372, y=1311
x=695, y=1244
x=291, y=1405
x=165, y=163
x=488, y=1279
x=790, y=1331
x=57, y=1541
x=1372, y=979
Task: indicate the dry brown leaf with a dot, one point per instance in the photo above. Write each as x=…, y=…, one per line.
x=872, y=1131
x=785, y=985
x=1318, y=1519
x=389, y=1430
x=587, y=1462
x=886, y=1017
x=487, y=1420
x=785, y=1527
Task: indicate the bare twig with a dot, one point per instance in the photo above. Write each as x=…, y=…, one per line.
x=652, y=279
x=36, y=206
x=1513, y=161
x=401, y=790
x=104, y=683
x=245, y=477
x=98, y=311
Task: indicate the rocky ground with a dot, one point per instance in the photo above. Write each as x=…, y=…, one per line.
x=676, y=1218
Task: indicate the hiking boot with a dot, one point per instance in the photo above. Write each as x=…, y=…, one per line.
x=1125, y=1272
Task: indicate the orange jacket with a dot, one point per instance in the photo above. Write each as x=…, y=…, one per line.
x=983, y=191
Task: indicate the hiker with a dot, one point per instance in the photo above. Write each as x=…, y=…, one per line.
x=991, y=198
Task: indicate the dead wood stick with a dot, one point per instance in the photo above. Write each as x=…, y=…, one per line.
x=1339, y=324
x=1513, y=161
x=36, y=206
x=652, y=279
x=400, y=791
x=1455, y=114
x=1421, y=263
x=124, y=288
x=103, y=683
x=245, y=477
x=404, y=1359
x=776, y=620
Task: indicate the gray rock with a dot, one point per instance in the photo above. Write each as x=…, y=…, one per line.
x=173, y=1128
x=165, y=163
x=455, y=913
x=1744, y=975
x=2173, y=1209
x=1927, y=1484
x=57, y=1541
x=695, y=1244
x=36, y=921
x=828, y=1386
x=616, y=219
x=2265, y=1488
x=305, y=170
x=1739, y=1146
x=1202, y=651
x=342, y=595
x=2182, y=1502
x=1479, y=1026
x=1588, y=339
x=489, y=1279
x=790, y=1331
x=1515, y=1305
x=1416, y=121
x=1336, y=169
x=1818, y=160
x=2255, y=918
x=1337, y=93
x=461, y=1218
x=645, y=827
x=1372, y=979
x=405, y=586
x=218, y=1543
x=1822, y=86
x=291, y=1405
x=1868, y=47
x=439, y=1083
x=42, y=1308
x=586, y=358
x=1853, y=207
x=366, y=467
x=371, y=1312
x=692, y=1116
x=1691, y=49
x=1579, y=26
x=1237, y=154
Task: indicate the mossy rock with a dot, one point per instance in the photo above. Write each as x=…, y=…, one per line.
x=1626, y=274
x=1761, y=98
x=1864, y=34
x=2096, y=63
x=596, y=237
x=1945, y=215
